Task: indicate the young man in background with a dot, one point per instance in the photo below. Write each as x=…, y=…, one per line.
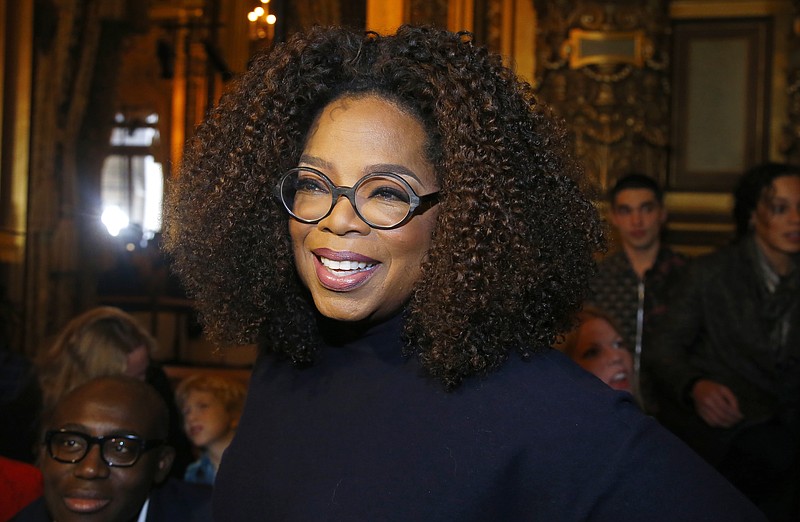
x=632, y=282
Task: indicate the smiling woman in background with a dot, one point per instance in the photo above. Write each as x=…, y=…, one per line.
x=398, y=223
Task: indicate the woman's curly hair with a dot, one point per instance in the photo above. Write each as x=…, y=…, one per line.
x=512, y=252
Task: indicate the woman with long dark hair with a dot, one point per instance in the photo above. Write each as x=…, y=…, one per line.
x=399, y=224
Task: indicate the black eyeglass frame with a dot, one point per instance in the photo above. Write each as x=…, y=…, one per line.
x=144, y=446
x=416, y=202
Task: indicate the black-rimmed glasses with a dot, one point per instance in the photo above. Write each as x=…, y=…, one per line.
x=383, y=200
x=120, y=451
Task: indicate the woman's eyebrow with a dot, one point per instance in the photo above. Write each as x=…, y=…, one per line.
x=394, y=168
x=316, y=161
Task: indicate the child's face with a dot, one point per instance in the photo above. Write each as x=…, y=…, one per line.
x=205, y=419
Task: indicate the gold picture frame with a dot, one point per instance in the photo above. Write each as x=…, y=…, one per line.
x=604, y=48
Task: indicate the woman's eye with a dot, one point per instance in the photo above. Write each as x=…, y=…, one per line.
x=309, y=185
x=591, y=353
x=389, y=194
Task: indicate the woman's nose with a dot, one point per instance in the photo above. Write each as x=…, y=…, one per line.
x=344, y=219
x=615, y=356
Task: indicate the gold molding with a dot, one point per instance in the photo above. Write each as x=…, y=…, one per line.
x=519, y=38
x=608, y=44
x=685, y=226
x=385, y=17
x=460, y=15
x=16, y=72
x=699, y=203
x=726, y=8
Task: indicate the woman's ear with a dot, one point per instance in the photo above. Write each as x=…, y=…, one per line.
x=165, y=459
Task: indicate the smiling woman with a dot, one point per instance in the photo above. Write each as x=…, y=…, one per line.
x=356, y=272
x=399, y=224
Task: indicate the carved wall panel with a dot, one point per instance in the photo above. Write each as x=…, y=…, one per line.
x=489, y=24
x=790, y=140
x=68, y=39
x=720, y=116
x=603, y=66
x=432, y=12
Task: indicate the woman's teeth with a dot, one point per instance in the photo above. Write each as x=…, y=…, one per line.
x=343, y=265
x=619, y=376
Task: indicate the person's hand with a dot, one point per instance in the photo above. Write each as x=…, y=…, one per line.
x=716, y=404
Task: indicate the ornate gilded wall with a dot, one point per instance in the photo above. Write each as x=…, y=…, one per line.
x=618, y=112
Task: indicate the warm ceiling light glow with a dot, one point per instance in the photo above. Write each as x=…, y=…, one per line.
x=252, y=16
x=264, y=1
x=271, y=19
x=259, y=11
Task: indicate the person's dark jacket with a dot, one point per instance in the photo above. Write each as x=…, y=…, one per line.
x=184, y=455
x=725, y=326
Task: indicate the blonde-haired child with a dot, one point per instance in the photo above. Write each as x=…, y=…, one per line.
x=211, y=406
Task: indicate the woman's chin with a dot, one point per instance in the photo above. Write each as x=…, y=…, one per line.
x=345, y=310
x=355, y=306
x=622, y=386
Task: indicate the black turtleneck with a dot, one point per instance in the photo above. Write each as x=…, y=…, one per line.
x=363, y=434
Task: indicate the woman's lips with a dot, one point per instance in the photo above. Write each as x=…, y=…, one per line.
x=620, y=381
x=343, y=271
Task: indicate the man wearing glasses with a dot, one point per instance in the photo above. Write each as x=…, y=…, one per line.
x=104, y=458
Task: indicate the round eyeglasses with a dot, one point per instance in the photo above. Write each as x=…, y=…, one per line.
x=383, y=200
x=119, y=451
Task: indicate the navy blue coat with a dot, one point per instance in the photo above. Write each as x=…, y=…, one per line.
x=365, y=435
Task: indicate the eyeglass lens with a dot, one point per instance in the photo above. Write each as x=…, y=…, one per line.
x=72, y=447
x=380, y=199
